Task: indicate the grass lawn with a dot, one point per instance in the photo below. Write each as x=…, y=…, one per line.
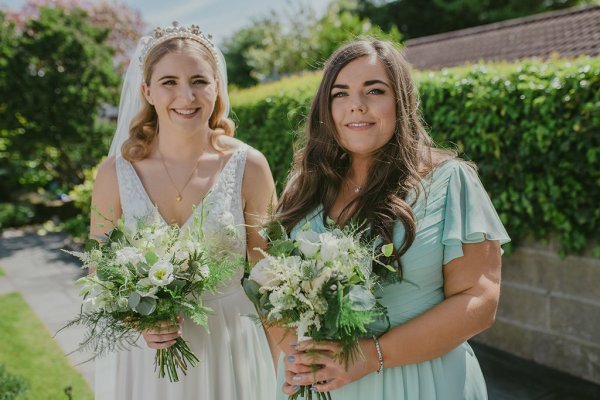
x=27, y=349
x=2, y=273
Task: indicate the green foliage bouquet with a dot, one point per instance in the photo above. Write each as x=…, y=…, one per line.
x=143, y=276
x=320, y=284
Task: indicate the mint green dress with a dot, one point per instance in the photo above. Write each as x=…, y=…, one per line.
x=453, y=209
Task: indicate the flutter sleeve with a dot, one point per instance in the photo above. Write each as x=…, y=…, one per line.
x=470, y=216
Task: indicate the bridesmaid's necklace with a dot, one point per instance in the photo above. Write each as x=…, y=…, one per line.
x=179, y=196
x=357, y=188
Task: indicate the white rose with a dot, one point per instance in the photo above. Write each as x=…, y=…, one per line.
x=308, y=242
x=129, y=255
x=262, y=273
x=161, y=273
x=330, y=249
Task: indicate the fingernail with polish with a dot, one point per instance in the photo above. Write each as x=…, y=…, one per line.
x=296, y=387
x=297, y=378
x=291, y=358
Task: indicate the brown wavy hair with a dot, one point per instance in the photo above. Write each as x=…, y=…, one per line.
x=320, y=167
x=144, y=126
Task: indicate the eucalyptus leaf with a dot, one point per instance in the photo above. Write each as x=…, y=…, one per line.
x=361, y=298
x=115, y=235
x=251, y=288
x=146, y=306
x=133, y=300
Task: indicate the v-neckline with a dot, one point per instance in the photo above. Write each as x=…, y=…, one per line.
x=198, y=205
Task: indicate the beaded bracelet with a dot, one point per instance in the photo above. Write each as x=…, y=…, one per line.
x=379, y=354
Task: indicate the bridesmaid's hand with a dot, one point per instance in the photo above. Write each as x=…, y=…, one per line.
x=318, y=362
x=164, y=335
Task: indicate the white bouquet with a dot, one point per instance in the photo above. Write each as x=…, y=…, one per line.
x=321, y=285
x=143, y=276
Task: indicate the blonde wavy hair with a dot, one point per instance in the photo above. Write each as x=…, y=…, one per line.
x=144, y=126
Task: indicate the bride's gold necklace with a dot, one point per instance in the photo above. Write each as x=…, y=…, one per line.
x=179, y=196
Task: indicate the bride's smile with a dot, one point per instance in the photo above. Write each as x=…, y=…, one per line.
x=183, y=91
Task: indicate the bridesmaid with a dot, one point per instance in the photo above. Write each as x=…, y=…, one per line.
x=367, y=156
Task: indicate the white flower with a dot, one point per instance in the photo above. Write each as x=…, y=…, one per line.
x=161, y=273
x=128, y=255
x=182, y=249
x=307, y=319
x=227, y=219
x=346, y=244
x=96, y=299
x=203, y=272
x=308, y=242
x=262, y=273
x=92, y=304
x=321, y=279
x=330, y=249
x=122, y=302
x=145, y=288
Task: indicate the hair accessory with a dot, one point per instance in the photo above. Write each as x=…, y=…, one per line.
x=161, y=35
x=379, y=354
x=132, y=101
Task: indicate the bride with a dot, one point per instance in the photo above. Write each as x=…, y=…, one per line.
x=174, y=147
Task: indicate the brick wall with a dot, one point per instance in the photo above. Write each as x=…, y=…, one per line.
x=550, y=310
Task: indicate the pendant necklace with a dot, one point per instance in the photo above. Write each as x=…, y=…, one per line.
x=179, y=196
x=357, y=188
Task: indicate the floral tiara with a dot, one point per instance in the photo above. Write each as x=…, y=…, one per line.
x=161, y=35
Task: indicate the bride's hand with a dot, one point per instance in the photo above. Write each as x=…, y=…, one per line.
x=164, y=335
x=327, y=369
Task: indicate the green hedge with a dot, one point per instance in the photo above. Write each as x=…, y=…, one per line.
x=533, y=128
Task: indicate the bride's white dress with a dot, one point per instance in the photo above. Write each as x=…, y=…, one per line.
x=235, y=361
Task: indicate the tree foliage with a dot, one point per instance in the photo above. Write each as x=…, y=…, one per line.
x=57, y=73
x=416, y=18
x=294, y=40
x=125, y=24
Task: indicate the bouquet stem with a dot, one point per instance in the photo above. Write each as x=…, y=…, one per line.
x=173, y=359
x=306, y=393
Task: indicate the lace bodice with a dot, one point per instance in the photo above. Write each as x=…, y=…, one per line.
x=223, y=204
